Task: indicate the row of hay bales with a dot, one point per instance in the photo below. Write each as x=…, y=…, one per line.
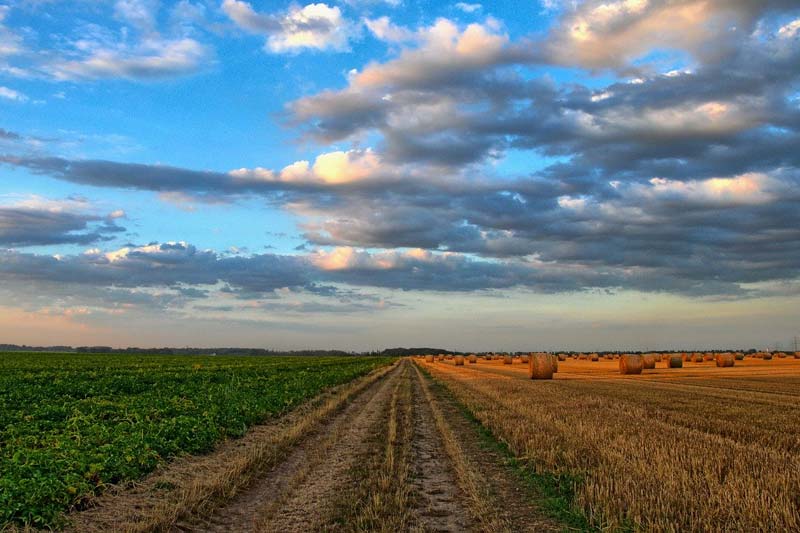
x=543, y=365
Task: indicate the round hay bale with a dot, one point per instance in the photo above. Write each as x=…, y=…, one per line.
x=659, y=357
x=429, y=359
x=594, y=357
x=797, y=355
x=724, y=359
x=697, y=358
x=738, y=356
x=631, y=364
x=563, y=356
x=459, y=360
x=507, y=360
x=523, y=359
x=686, y=357
x=767, y=356
x=708, y=357
x=554, y=362
x=674, y=361
x=780, y=355
x=472, y=358
x=648, y=361
x=540, y=366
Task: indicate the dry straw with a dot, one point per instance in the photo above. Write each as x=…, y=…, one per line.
x=507, y=360
x=540, y=366
x=554, y=362
x=725, y=359
x=648, y=361
x=473, y=358
x=631, y=364
x=429, y=359
x=675, y=361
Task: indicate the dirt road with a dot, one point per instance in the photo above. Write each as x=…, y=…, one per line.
x=390, y=453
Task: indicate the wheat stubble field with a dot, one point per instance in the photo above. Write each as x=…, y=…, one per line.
x=474, y=444
x=694, y=448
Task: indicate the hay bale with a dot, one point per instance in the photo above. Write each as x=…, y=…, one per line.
x=708, y=357
x=429, y=359
x=540, y=366
x=594, y=357
x=563, y=356
x=797, y=355
x=472, y=358
x=724, y=359
x=648, y=361
x=697, y=358
x=459, y=360
x=631, y=364
x=738, y=356
x=583, y=356
x=554, y=362
x=523, y=359
x=507, y=360
x=674, y=361
x=767, y=356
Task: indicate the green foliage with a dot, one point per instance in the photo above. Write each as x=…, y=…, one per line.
x=70, y=424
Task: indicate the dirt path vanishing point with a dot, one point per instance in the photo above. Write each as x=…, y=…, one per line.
x=392, y=453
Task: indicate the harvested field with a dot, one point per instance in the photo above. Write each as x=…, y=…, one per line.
x=671, y=449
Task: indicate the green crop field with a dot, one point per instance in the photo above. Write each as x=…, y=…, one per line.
x=71, y=424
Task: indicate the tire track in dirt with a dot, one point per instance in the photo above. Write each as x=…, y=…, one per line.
x=296, y=496
x=439, y=505
x=397, y=454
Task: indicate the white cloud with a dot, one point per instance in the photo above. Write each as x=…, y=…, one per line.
x=790, y=30
x=139, y=13
x=746, y=189
x=383, y=28
x=468, y=8
x=331, y=168
x=11, y=94
x=315, y=26
x=600, y=34
x=151, y=59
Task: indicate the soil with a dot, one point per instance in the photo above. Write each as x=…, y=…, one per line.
x=303, y=490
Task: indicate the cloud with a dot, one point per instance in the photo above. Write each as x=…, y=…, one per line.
x=314, y=26
x=383, y=29
x=611, y=34
x=136, y=48
x=11, y=94
x=38, y=222
x=152, y=59
x=467, y=7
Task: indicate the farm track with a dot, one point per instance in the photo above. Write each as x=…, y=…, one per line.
x=395, y=454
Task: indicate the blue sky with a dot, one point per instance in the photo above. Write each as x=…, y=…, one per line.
x=359, y=174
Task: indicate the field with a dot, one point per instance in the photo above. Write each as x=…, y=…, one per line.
x=367, y=444
x=697, y=448
x=72, y=424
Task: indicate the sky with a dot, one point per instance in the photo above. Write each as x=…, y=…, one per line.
x=361, y=174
